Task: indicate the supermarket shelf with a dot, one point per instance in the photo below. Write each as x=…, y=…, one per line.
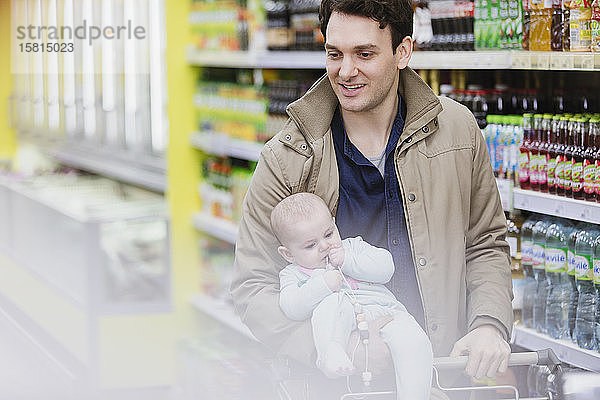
x=566, y=351
x=217, y=227
x=545, y=203
x=487, y=59
x=505, y=189
x=222, y=145
x=222, y=312
x=149, y=173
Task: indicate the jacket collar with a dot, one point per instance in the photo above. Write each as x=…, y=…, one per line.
x=422, y=108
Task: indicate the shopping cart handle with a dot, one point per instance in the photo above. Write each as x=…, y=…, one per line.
x=540, y=357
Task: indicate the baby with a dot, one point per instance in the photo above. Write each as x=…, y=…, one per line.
x=312, y=287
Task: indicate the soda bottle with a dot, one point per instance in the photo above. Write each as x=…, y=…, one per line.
x=559, y=288
x=539, y=270
x=589, y=160
x=597, y=162
x=534, y=153
x=524, y=152
x=530, y=285
x=586, y=304
x=569, y=155
x=577, y=168
x=553, y=154
x=574, y=295
x=543, y=152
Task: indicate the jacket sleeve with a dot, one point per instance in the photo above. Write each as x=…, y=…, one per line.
x=367, y=263
x=489, y=281
x=298, y=298
x=255, y=280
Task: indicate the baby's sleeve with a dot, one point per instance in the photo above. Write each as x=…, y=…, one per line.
x=365, y=262
x=299, y=297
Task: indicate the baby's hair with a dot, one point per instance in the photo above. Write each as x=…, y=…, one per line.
x=297, y=207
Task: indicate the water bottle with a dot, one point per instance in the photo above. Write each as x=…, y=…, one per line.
x=539, y=271
x=596, y=272
x=586, y=304
x=529, y=287
x=559, y=288
x=571, y=272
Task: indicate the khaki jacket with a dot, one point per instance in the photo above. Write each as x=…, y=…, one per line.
x=455, y=222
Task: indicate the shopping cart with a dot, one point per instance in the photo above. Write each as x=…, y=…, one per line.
x=286, y=374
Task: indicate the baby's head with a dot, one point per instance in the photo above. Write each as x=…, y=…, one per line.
x=306, y=230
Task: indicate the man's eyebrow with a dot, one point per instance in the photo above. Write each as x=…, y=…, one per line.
x=359, y=47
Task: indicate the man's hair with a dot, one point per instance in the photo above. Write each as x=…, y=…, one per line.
x=398, y=14
x=294, y=208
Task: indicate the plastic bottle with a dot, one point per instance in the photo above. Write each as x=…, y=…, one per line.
x=543, y=152
x=524, y=152
x=569, y=156
x=589, y=159
x=574, y=295
x=552, y=154
x=586, y=304
x=577, y=168
x=479, y=107
x=539, y=270
x=534, y=153
x=559, y=173
x=597, y=162
x=596, y=274
x=530, y=285
x=559, y=288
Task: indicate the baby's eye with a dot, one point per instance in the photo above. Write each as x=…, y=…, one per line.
x=309, y=246
x=329, y=234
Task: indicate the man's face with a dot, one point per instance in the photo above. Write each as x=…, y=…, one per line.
x=361, y=66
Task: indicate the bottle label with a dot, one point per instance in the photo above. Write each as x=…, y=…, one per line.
x=541, y=169
x=589, y=173
x=512, y=244
x=533, y=166
x=583, y=272
x=568, y=167
x=570, y=262
x=526, y=252
x=596, y=268
x=556, y=259
x=523, y=166
x=551, y=172
x=538, y=257
x=577, y=177
x=559, y=172
x=597, y=178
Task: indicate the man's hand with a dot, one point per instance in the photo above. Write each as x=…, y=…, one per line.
x=379, y=354
x=487, y=350
x=336, y=256
x=333, y=280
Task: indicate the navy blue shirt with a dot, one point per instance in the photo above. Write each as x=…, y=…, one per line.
x=371, y=206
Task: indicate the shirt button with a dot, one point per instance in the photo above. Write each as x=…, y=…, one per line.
x=435, y=122
x=425, y=129
x=303, y=146
x=422, y=262
x=412, y=197
x=288, y=137
x=395, y=242
x=434, y=327
x=408, y=140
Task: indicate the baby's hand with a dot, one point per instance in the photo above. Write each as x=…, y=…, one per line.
x=333, y=280
x=336, y=256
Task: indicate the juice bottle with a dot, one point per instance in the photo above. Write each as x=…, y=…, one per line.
x=534, y=158
x=560, y=156
x=552, y=154
x=577, y=168
x=524, y=151
x=597, y=162
x=543, y=152
x=589, y=160
x=581, y=34
x=569, y=155
x=595, y=26
x=556, y=26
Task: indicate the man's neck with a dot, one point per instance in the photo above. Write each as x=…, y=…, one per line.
x=370, y=130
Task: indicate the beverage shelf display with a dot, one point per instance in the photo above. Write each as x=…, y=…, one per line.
x=223, y=145
x=148, y=172
x=566, y=351
x=544, y=203
x=502, y=59
x=222, y=311
x=217, y=227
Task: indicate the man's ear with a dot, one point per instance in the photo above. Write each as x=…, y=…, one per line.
x=286, y=254
x=404, y=52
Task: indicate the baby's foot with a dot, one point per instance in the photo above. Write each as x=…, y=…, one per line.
x=335, y=362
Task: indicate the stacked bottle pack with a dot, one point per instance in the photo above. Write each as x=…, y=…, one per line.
x=561, y=264
x=560, y=155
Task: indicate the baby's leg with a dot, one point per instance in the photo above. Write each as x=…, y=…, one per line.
x=412, y=355
x=332, y=321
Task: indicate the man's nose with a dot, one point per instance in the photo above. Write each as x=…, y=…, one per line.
x=348, y=68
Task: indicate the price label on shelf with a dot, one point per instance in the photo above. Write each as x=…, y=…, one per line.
x=505, y=188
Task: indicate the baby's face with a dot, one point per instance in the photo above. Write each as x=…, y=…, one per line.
x=309, y=241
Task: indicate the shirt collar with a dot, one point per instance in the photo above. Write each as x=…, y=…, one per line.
x=350, y=151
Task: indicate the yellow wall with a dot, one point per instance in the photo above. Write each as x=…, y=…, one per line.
x=7, y=136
